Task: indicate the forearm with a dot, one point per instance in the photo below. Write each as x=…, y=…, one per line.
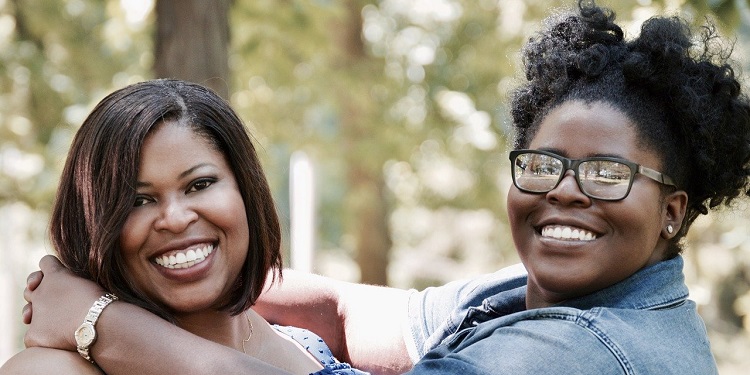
x=362, y=324
x=373, y=327
x=130, y=340
x=45, y=361
x=308, y=301
x=134, y=341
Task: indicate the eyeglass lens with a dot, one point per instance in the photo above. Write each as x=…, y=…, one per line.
x=603, y=179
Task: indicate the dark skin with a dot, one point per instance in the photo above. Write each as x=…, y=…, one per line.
x=115, y=353
x=374, y=323
x=527, y=213
x=172, y=213
x=628, y=235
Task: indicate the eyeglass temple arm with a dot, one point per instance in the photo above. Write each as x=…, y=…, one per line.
x=656, y=176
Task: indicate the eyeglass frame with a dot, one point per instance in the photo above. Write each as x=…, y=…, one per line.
x=573, y=164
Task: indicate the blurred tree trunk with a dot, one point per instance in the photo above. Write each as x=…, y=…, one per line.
x=366, y=201
x=371, y=215
x=192, y=42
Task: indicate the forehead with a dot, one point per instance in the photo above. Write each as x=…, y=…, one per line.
x=577, y=130
x=174, y=145
x=171, y=135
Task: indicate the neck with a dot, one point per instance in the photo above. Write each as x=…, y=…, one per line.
x=537, y=297
x=217, y=326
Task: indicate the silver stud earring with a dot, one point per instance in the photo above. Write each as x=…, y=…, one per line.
x=670, y=228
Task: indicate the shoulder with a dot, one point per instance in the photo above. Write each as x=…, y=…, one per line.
x=472, y=291
x=553, y=344
x=436, y=312
x=565, y=340
x=47, y=361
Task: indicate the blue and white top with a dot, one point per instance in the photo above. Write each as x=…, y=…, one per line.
x=318, y=348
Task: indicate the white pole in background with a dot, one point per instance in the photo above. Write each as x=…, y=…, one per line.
x=302, y=202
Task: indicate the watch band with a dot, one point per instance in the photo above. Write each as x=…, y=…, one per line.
x=85, y=335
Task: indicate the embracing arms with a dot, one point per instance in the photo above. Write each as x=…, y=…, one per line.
x=362, y=324
x=130, y=340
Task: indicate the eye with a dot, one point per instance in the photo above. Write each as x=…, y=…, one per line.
x=141, y=200
x=200, y=184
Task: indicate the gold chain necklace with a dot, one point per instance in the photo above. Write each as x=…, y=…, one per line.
x=250, y=323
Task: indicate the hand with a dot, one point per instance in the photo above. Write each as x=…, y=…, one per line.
x=32, y=281
x=57, y=304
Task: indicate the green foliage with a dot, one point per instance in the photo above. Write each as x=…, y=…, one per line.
x=421, y=107
x=57, y=57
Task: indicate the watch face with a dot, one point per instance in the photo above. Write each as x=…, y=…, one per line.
x=85, y=335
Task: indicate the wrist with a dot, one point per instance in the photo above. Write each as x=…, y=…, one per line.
x=79, y=305
x=85, y=335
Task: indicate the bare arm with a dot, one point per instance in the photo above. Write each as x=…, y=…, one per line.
x=362, y=324
x=43, y=361
x=130, y=340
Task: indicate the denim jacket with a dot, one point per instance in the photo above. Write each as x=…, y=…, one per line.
x=643, y=325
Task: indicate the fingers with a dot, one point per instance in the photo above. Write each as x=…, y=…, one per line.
x=28, y=340
x=33, y=281
x=31, y=284
x=26, y=314
x=49, y=263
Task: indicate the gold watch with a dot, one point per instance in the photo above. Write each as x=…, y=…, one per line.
x=86, y=333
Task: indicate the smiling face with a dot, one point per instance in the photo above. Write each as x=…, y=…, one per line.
x=186, y=238
x=614, y=239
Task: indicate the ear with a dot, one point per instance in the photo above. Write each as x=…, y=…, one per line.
x=675, y=205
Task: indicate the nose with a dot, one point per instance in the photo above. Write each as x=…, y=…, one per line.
x=568, y=192
x=175, y=216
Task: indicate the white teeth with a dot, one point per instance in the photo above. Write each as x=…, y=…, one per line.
x=567, y=233
x=185, y=258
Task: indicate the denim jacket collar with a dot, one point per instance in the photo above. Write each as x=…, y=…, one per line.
x=653, y=287
x=614, y=330
x=656, y=286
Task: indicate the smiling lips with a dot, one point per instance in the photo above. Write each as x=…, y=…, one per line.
x=184, y=258
x=562, y=232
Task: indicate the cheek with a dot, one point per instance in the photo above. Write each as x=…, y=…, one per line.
x=229, y=213
x=519, y=206
x=133, y=235
x=132, y=239
x=640, y=213
x=512, y=206
x=238, y=233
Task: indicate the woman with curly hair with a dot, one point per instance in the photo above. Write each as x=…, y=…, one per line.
x=620, y=145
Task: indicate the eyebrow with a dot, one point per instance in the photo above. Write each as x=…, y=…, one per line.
x=602, y=155
x=182, y=175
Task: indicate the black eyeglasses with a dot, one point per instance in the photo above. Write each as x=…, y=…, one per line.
x=603, y=178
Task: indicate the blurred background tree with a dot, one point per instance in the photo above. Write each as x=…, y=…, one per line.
x=192, y=42
x=401, y=105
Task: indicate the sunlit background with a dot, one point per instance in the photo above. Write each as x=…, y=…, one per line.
x=386, y=152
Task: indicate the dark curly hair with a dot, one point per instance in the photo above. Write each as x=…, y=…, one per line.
x=680, y=91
